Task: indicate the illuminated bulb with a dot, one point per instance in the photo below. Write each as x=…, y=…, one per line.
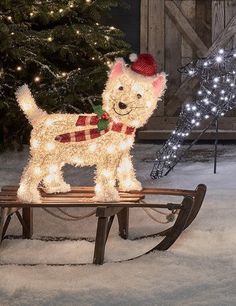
x=31, y=14
x=49, y=38
x=9, y=18
x=112, y=28
x=50, y=178
x=216, y=80
x=149, y=103
x=205, y=64
x=107, y=38
x=199, y=92
x=49, y=122
x=71, y=5
x=127, y=183
x=51, y=12
x=174, y=147
x=93, y=58
x=12, y=33
x=197, y=123
x=232, y=84
x=18, y=68
x=106, y=173
x=222, y=92
x=37, y=171
x=193, y=121
x=98, y=188
x=64, y=74
x=95, y=43
x=53, y=168
x=26, y=106
x=97, y=23
x=214, y=86
x=78, y=69
x=191, y=72
x=221, y=51
x=194, y=107
x=92, y=147
x=50, y=146
x=234, y=55
x=206, y=116
x=60, y=10
x=111, y=149
x=198, y=114
x=123, y=145
x=222, y=114
x=78, y=32
x=227, y=80
x=213, y=109
x=219, y=59
x=208, y=92
x=108, y=63
x=37, y=79
x=88, y=1
x=35, y=143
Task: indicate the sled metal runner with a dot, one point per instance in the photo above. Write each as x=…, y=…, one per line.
x=80, y=197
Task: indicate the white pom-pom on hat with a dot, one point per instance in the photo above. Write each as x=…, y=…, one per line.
x=133, y=57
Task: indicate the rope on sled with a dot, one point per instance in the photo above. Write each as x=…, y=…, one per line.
x=72, y=218
x=169, y=217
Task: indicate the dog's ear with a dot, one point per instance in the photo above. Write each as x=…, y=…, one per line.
x=159, y=84
x=117, y=69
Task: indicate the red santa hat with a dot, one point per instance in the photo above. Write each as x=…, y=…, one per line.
x=143, y=64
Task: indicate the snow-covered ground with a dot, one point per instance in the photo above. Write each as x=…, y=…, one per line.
x=200, y=269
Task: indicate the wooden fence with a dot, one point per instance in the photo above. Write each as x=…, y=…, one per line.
x=175, y=31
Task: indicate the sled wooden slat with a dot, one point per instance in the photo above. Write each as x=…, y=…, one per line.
x=81, y=197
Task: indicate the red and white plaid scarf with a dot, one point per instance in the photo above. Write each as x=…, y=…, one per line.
x=84, y=135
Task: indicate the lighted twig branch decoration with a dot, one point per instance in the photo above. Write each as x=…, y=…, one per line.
x=215, y=96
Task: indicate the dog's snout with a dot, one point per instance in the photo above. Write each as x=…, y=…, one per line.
x=122, y=105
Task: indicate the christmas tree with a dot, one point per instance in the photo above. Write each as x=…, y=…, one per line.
x=58, y=47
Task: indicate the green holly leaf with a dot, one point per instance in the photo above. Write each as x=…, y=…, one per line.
x=98, y=110
x=103, y=124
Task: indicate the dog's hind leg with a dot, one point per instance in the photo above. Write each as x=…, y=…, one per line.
x=54, y=181
x=33, y=174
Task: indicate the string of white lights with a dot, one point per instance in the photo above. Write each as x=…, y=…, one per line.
x=215, y=96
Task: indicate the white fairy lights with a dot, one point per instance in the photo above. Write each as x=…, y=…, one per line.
x=217, y=74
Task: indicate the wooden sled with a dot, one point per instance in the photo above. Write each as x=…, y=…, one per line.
x=186, y=212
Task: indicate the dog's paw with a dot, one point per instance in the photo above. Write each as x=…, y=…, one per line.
x=131, y=185
x=107, y=196
x=57, y=189
x=29, y=196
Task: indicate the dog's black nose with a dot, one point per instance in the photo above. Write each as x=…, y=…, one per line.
x=122, y=105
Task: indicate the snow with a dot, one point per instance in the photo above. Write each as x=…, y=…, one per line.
x=198, y=270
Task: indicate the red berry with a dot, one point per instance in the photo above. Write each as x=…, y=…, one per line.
x=105, y=116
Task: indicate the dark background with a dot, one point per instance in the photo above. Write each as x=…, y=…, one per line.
x=128, y=20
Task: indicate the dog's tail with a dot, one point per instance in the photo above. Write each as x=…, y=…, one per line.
x=27, y=104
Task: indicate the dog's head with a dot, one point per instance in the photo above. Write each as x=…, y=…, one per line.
x=130, y=97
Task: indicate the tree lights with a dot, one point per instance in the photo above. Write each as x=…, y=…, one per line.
x=216, y=95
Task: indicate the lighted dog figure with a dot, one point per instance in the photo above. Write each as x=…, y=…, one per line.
x=103, y=139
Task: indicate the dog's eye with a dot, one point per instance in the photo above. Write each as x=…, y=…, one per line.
x=139, y=96
x=121, y=88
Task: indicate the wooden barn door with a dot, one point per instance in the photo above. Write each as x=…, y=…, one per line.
x=175, y=32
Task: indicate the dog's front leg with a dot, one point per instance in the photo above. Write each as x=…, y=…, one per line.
x=126, y=174
x=105, y=190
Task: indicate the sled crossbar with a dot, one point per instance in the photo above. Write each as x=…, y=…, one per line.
x=80, y=197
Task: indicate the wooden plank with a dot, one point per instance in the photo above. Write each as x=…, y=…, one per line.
x=172, y=55
x=218, y=18
x=144, y=26
x=185, y=27
x=204, y=21
x=230, y=11
x=188, y=10
x=190, y=84
x=156, y=40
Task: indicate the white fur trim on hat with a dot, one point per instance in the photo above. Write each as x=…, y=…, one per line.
x=133, y=57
